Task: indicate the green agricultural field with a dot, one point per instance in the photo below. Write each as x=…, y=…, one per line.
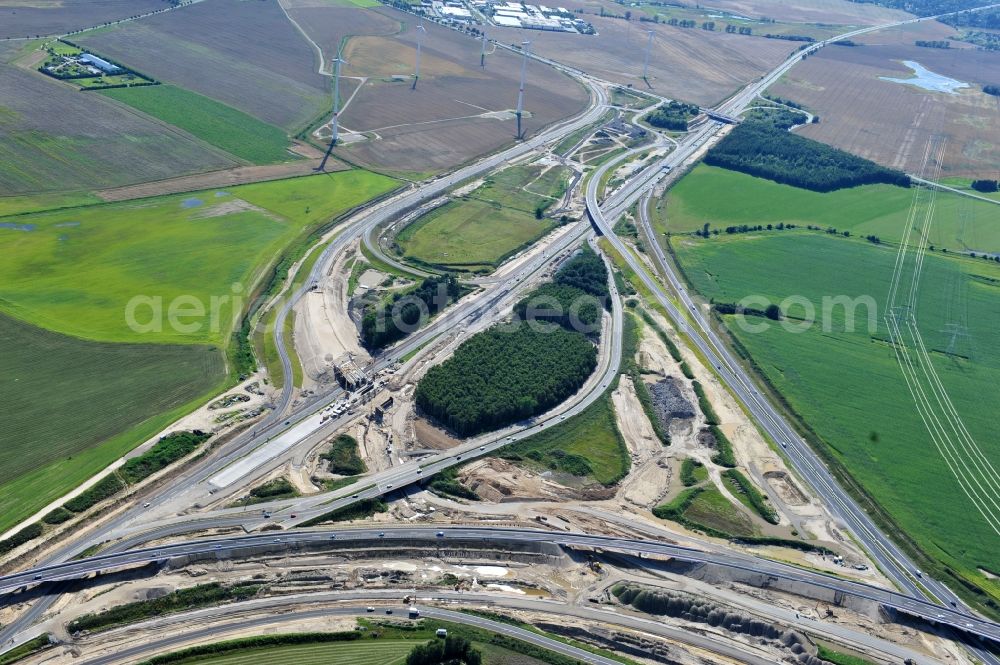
x=67, y=402
x=76, y=270
x=360, y=652
x=724, y=198
x=479, y=231
x=83, y=387
x=223, y=126
x=18, y=205
x=847, y=385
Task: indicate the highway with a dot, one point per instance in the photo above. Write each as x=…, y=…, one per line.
x=231, y=547
x=892, y=561
x=217, y=630
x=197, y=479
x=218, y=622
x=889, y=557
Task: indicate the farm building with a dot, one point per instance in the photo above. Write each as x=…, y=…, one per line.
x=99, y=63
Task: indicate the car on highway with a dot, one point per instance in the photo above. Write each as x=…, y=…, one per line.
x=381, y=534
x=388, y=610
x=440, y=534
x=146, y=505
x=354, y=496
x=369, y=609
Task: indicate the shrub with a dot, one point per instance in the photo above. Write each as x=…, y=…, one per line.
x=343, y=456
x=167, y=450
x=688, y=468
x=355, y=511
x=104, y=489
x=740, y=484
x=26, y=534
x=57, y=516
x=202, y=595
x=711, y=418
x=724, y=455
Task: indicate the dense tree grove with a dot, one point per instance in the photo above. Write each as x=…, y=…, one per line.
x=928, y=7
x=512, y=372
x=763, y=150
x=777, y=118
x=992, y=90
x=586, y=271
x=933, y=43
x=390, y=320
x=985, y=186
x=453, y=650
x=673, y=116
x=503, y=375
x=567, y=306
x=988, y=18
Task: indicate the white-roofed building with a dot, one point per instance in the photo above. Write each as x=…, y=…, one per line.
x=507, y=21
x=456, y=13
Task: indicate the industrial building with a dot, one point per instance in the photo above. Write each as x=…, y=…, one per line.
x=99, y=63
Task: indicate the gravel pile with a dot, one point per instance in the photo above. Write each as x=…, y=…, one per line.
x=669, y=402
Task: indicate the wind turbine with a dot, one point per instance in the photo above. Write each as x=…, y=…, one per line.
x=520, y=90
x=336, y=97
x=645, y=63
x=482, y=54
x=420, y=40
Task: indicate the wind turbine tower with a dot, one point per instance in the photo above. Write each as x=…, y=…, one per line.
x=520, y=90
x=482, y=54
x=420, y=40
x=645, y=62
x=336, y=98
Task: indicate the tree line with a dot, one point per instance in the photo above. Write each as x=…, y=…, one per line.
x=791, y=38
x=766, y=151
x=933, y=43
